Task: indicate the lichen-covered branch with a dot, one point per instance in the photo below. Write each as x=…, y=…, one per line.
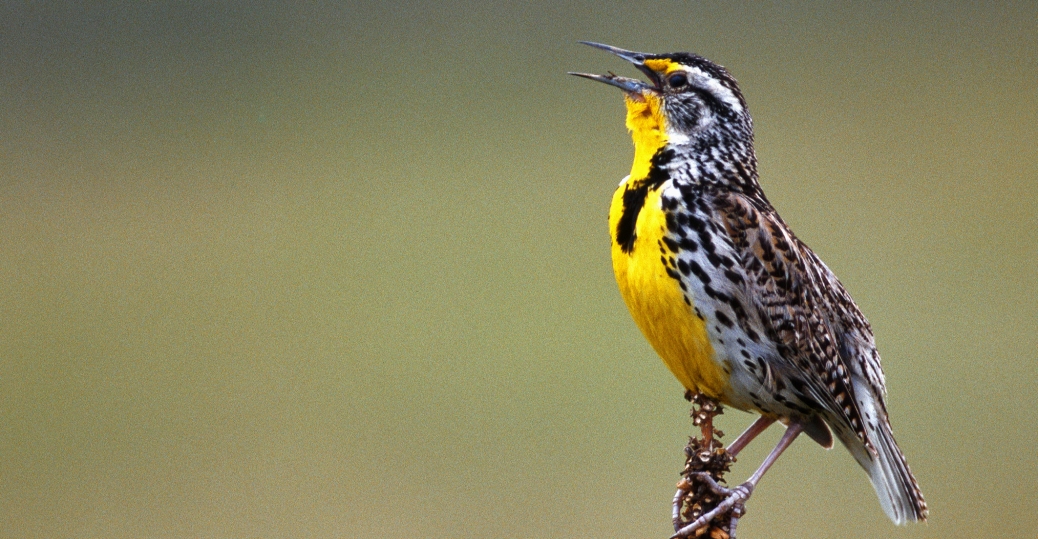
x=700, y=489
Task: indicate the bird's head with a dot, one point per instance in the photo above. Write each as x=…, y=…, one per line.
x=686, y=98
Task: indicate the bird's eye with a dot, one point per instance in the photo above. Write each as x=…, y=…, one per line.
x=677, y=81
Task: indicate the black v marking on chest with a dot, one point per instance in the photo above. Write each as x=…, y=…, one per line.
x=634, y=199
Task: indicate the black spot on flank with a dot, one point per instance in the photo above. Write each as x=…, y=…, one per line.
x=698, y=272
x=723, y=318
x=672, y=223
x=713, y=258
x=752, y=335
x=744, y=353
x=687, y=301
x=683, y=267
x=671, y=244
x=696, y=223
x=707, y=242
x=689, y=245
x=739, y=310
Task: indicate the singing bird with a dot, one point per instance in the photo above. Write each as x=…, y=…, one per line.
x=737, y=306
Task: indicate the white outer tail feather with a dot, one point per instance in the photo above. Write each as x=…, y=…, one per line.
x=896, y=487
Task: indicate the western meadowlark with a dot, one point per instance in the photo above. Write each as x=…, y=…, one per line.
x=739, y=309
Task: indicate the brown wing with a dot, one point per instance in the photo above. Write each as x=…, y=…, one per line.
x=857, y=343
x=803, y=308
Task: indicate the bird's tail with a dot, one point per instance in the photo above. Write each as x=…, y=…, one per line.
x=895, y=485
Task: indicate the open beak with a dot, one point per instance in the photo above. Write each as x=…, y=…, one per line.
x=634, y=86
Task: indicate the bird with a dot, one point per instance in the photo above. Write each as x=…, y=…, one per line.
x=737, y=306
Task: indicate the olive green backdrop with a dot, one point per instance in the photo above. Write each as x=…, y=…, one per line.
x=343, y=271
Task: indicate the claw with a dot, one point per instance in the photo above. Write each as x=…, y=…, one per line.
x=733, y=522
x=713, y=485
x=734, y=502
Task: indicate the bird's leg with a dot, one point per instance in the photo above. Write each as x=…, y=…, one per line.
x=735, y=499
x=758, y=426
x=737, y=510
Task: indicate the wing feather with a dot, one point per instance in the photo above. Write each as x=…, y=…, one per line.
x=805, y=310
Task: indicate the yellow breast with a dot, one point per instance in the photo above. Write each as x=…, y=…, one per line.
x=657, y=303
x=654, y=298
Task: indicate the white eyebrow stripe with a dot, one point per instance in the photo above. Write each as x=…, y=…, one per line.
x=714, y=86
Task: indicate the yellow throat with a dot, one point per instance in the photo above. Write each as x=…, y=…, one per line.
x=655, y=299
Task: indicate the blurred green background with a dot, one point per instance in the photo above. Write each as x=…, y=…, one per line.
x=317, y=270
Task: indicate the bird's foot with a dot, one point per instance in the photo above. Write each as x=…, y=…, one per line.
x=734, y=503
